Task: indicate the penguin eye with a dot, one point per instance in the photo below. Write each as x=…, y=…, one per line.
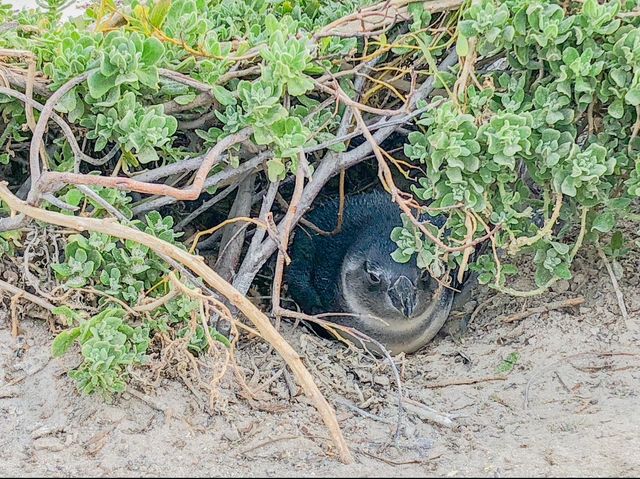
x=425, y=277
x=373, y=277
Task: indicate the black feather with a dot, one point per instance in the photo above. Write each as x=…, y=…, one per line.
x=313, y=277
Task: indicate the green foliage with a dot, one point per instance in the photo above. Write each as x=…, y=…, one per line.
x=125, y=59
x=559, y=121
x=286, y=60
x=487, y=21
x=507, y=365
x=120, y=269
x=546, y=136
x=109, y=346
x=8, y=242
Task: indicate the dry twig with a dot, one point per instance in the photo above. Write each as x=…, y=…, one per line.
x=616, y=287
x=565, y=303
x=198, y=266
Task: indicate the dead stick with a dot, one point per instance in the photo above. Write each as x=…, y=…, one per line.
x=284, y=237
x=14, y=290
x=15, y=324
x=199, y=267
x=462, y=382
x=566, y=303
x=50, y=179
x=616, y=287
x=425, y=412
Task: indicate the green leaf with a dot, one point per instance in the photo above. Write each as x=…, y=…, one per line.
x=67, y=313
x=73, y=197
x=100, y=84
x=159, y=12
x=224, y=96
x=338, y=147
x=617, y=241
x=147, y=76
x=152, y=51
x=590, y=8
x=147, y=155
x=633, y=97
x=562, y=271
x=462, y=46
x=604, y=222
x=63, y=342
x=184, y=99
x=561, y=247
x=67, y=103
x=508, y=363
x=616, y=109
x=399, y=257
x=275, y=169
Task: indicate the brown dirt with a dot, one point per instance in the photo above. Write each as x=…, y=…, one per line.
x=582, y=415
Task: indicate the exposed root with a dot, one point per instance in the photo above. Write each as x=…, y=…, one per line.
x=566, y=303
x=198, y=266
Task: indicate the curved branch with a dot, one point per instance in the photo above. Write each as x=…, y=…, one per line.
x=64, y=126
x=38, y=133
x=50, y=180
x=199, y=267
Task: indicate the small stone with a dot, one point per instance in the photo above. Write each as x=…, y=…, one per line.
x=577, y=281
x=46, y=430
x=364, y=376
x=49, y=443
x=381, y=380
x=231, y=434
x=470, y=306
x=561, y=286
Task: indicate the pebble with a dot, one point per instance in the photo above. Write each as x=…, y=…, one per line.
x=49, y=443
x=577, y=281
x=381, y=380
x=231, y=434
x=561, y=286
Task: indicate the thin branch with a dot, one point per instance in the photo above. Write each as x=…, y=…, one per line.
x=199, y=267
x=19, y=80
x=225, y=177
x=566, y=303
x=232, y=236
x=205, y=206
x=53, y=180
x=615, y=285
x=14, y=290
x=38, y=133
x=286, y=231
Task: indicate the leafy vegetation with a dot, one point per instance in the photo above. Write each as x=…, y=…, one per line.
x=560, y=113
x=528, y=145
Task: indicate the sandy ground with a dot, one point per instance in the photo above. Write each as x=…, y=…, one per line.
x=569, y=406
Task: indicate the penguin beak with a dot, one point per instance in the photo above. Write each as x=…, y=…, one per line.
x=403, y=296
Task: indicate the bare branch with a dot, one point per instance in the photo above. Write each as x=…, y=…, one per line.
x=199, y=267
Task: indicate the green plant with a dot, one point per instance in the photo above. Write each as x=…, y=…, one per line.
x=546, y=137
x=529, y=146
x=108, y=346
x=507, y=365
